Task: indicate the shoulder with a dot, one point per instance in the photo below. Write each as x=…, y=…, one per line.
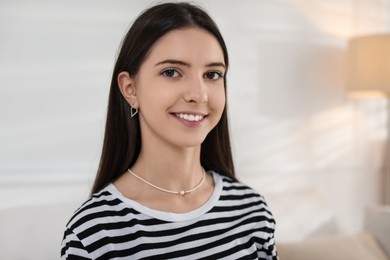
x=100, y=205
x=235, y=187
x=83, y=223
x=242, y=197
x=252, y=211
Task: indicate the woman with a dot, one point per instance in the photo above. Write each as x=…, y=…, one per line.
x=166, y=186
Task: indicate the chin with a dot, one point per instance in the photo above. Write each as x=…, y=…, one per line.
x=189, y=143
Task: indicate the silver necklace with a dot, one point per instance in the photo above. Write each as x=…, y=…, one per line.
x=182, y=192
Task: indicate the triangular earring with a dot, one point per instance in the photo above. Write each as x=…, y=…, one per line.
x=133, y=111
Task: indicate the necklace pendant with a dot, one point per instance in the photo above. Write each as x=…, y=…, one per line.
x=182, y=193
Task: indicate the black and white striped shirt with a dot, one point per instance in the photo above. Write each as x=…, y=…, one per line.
x=235, y=223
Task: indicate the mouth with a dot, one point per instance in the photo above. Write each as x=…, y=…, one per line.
x=189, y=117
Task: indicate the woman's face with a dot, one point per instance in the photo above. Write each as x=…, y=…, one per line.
x=179, y=88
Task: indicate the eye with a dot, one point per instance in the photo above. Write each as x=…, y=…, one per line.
x=213, y=75
x=170, y=73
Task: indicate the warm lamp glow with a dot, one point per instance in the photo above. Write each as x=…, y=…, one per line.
x=367, y=94
x=369, y=63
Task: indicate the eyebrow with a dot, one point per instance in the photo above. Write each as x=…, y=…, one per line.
x=179, y=62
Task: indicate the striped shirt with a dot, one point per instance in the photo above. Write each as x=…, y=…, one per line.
x=235, y=223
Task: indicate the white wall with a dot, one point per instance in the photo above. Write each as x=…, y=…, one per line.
x=315, y=153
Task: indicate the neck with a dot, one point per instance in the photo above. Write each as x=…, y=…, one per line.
x=172, y=168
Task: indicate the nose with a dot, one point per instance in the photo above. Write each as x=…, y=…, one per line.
x=196, y=91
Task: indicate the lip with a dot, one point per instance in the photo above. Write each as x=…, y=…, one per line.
x=190, y=113
x=188, y=123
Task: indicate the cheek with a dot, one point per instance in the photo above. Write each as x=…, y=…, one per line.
x=218, y=99
x=150, y=92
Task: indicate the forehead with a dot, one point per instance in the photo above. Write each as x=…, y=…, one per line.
x=193, y=45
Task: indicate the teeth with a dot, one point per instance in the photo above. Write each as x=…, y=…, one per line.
x=193, y=118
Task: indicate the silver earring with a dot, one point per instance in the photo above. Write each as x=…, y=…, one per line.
x=133, y=111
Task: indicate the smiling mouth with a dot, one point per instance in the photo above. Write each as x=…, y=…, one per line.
x=189, y=117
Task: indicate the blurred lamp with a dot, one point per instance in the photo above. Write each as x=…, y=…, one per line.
x=369, y=63
x=369, y=70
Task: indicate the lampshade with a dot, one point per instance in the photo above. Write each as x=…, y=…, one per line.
x=369, y=63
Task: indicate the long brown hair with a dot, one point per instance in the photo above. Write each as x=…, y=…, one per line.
x=122, y=139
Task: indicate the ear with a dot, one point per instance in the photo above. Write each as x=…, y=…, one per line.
x=127, y=87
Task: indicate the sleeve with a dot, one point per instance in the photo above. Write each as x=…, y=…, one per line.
x=72, y=248
x=270, y=248
x=268, y=251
